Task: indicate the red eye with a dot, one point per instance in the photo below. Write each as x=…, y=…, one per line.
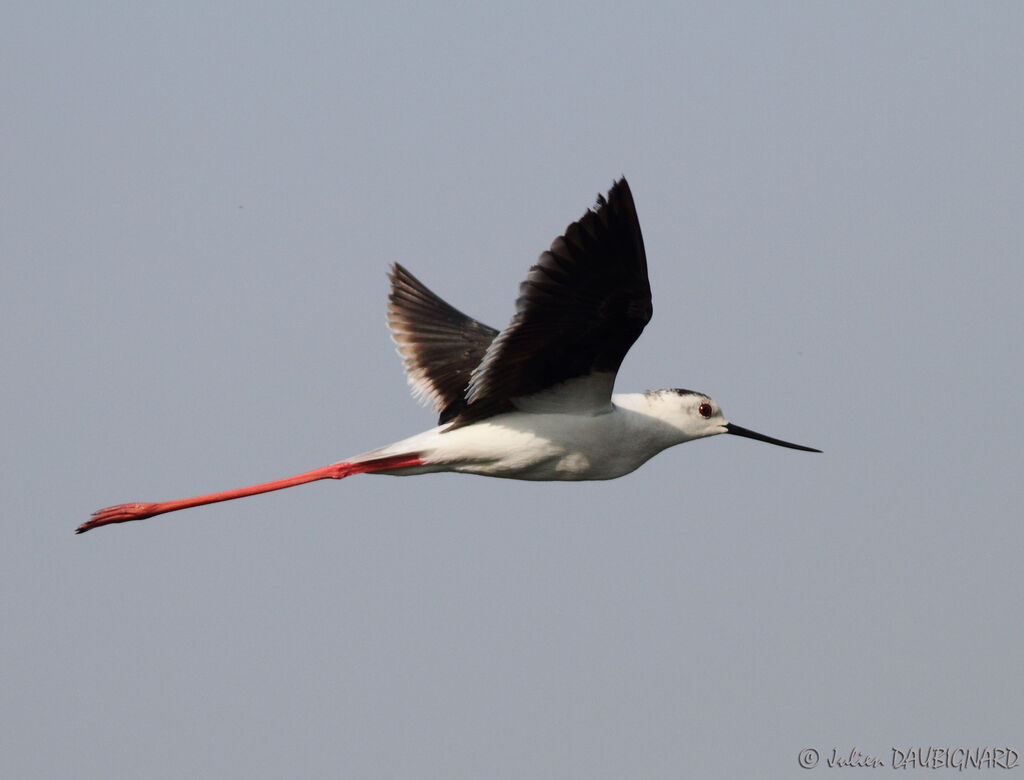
x=705, y=410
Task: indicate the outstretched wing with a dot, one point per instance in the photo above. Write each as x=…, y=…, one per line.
x=440, y=346
x=579, y=311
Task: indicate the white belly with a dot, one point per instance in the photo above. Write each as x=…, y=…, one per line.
x=537, y=446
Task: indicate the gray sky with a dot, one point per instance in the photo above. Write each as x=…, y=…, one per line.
x=199, y=206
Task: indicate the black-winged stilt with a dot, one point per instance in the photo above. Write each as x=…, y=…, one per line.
x=533, y=401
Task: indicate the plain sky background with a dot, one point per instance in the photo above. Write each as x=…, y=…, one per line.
x=199, y=204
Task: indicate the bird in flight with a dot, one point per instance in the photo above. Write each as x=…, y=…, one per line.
x=533, y=401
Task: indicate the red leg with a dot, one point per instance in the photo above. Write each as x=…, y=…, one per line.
x=124, y=513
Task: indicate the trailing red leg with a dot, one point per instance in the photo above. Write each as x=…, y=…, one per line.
x=124, y=513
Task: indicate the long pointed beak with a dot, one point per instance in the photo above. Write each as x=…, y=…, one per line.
x=736, y=430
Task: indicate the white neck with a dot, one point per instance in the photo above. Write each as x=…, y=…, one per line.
x=659, y=415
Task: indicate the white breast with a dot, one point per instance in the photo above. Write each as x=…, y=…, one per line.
x=523, y=445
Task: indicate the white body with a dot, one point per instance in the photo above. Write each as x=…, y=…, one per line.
x=559, y=446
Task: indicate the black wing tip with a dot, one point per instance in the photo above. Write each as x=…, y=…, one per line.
x=620, y=191
x=619, y=185
x=618, y=213
x=398, y=273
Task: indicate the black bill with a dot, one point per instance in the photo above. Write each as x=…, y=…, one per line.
x=736, y=430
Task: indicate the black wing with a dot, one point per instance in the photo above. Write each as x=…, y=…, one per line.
x=440, y=346
x=579, y=311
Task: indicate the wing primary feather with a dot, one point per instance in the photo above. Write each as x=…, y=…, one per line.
x=439, y=345
x=579, y=311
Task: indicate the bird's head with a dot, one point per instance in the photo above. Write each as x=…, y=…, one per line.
x=696, y=415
